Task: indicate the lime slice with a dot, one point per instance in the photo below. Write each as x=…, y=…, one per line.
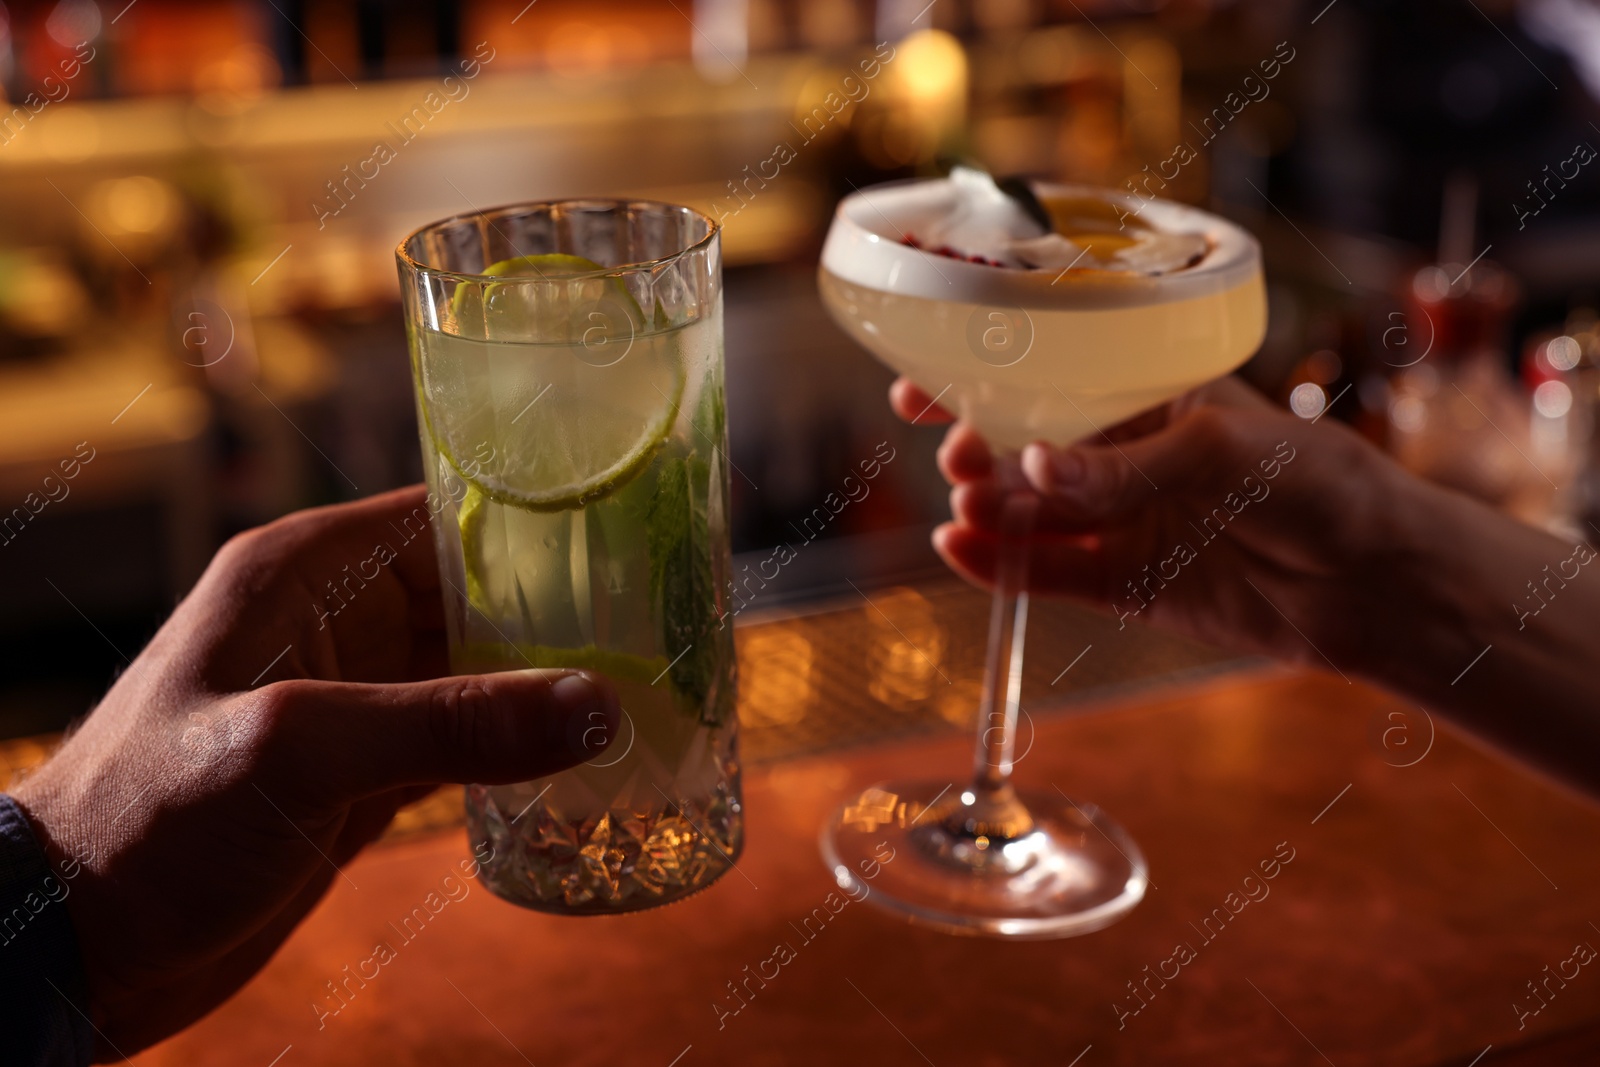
x=549, y=390
x=551, y=265
x=470, y=517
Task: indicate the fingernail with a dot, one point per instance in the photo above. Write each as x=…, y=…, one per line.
x=591, y=711
x=575, y=692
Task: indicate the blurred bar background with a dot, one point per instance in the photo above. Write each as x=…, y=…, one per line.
x=199, y=319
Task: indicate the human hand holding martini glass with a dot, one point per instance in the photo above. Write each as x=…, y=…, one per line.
x=1027, y=332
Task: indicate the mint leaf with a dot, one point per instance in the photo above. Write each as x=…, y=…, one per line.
x=683, y=571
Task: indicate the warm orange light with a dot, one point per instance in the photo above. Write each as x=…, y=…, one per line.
x=907, y=645
x=775, y=667
x=931, y=67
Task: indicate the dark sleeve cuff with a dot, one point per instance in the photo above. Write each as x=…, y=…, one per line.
x=42, y=994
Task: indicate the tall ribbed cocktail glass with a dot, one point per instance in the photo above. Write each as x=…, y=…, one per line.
x=1022, y=356
x=568, y=365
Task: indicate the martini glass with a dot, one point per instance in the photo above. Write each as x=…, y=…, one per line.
x=1022, y=356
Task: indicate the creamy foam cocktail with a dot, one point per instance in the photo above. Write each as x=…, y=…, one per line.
x=1048, y=313
x=1129, y=303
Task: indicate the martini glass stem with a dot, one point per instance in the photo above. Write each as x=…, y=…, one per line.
x=1008, y=631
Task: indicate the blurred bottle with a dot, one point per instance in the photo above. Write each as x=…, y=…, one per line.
x=1456, y=415
x=1562, y=371
x=404, y=39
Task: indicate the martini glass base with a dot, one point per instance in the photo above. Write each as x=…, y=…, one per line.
x=938, y=856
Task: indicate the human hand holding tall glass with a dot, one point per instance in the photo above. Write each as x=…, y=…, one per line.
x=1021, y=356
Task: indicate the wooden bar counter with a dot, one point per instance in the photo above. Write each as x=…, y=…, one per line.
x=1422, y=888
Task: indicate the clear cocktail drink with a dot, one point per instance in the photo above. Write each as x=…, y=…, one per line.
x=575, y=444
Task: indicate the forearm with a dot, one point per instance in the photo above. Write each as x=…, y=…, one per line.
x=1494, y=623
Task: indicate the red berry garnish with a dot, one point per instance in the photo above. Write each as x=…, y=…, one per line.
x=911, y=240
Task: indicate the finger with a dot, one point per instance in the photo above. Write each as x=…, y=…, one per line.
x=1056, y=566
x=1101, y=483
x=351, y=740
x=913, y=404
x=254, y=594
x=399, y=520
x=962, y=551
x=349, y=526
x=964, y=456
x=328, y=544
x=980, y=505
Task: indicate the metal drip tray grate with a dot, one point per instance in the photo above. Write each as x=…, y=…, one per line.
x=904, y=661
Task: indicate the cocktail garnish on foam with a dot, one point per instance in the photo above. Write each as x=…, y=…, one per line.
x=985, y=225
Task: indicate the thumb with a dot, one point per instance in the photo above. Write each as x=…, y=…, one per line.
x=1102, y=483
x=357, y=740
